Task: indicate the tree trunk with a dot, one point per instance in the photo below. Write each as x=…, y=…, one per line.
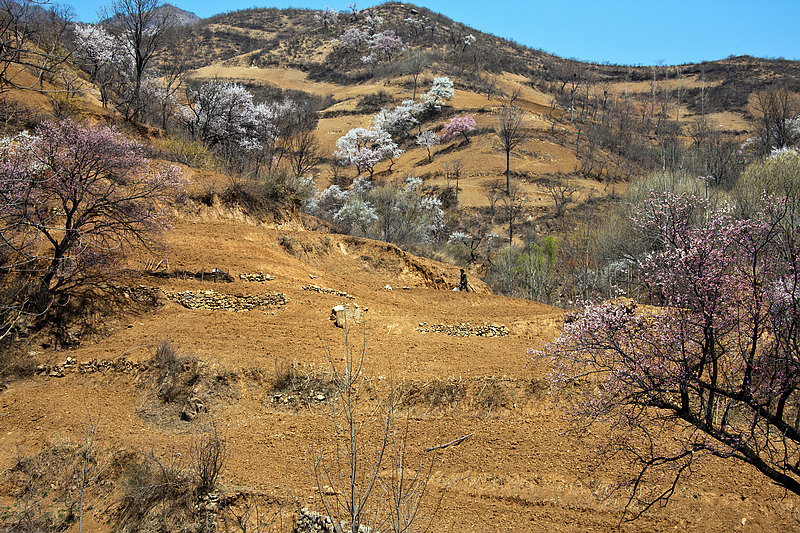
x=508, y=172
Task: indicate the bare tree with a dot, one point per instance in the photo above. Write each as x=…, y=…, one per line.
x=87, y=470
x=26, y=41
x=353, y=466
x=51, y=28
x=715, y=153
x=406, y=484
x=415, y=62
x=171, y=76
x=494, y=191
x=514, y=202
x=303, y=151
x=370, y=452
x=510, y=131
x=145, y=26
x=452, y=171
x=561, y=193
x=774, y=111
x=570, y=76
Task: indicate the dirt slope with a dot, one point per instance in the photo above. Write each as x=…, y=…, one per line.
x=517, y=472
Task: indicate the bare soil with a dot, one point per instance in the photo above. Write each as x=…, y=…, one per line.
x=518, y=471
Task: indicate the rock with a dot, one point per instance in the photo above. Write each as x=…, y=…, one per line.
x=194, y=406
x=259, y=277
x=214, y=301
x=465, y=329
x=342, y=315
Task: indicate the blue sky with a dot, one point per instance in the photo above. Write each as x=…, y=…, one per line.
x=634, y=32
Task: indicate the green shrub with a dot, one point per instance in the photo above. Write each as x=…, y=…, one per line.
x=191, y=153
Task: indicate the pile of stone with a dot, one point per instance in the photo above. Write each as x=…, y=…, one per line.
x=259, y=277
x=465, y=329
x=71, y=365
x=142, y=293
x=312, y=522
x=280, y=397
x=215, y=301
x=193, y=407
x=326, y=290
x=209, y=503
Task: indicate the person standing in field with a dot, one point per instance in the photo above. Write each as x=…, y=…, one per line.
x=463, y=285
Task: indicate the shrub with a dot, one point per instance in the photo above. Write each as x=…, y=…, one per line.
x=209, y=455
x=192, y=153
x=158, y=494
x=175, y=374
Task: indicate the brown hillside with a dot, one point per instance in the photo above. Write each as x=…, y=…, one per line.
x=517, y=471
x=245, y=300
x=290, y=50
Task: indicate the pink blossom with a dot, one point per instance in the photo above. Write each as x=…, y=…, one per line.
x=460, y=125
x=716, y=366
x=72, y=197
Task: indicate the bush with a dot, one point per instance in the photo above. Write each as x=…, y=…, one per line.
x=209, y=455
x=47, y=488
x=776, y=174
x=65, y=106
x=270, y=195
x=158, y=494
x=373, y=102
x=175, y=374
x=295, y=389
x=192, y=153
x=436, y=394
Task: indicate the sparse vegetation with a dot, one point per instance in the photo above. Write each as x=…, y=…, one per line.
x=181, y=387
x=539, y=194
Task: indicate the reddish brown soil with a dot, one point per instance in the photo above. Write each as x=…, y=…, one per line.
x=517, y=472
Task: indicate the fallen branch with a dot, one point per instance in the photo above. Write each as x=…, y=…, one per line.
x=451, y=443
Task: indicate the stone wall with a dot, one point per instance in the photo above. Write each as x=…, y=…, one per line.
x=215, y=301
x=465, y=329
x=326, y=290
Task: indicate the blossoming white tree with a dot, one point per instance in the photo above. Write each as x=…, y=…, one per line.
x=400, y=120
x=327, y=17
x=106, y=57
x=440, y=92
x=364, y=148
x=428, y=139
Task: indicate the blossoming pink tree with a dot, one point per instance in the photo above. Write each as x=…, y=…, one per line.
x=459, y=126
x=73, y=198
x=714, y=369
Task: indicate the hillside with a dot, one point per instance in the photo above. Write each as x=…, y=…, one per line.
x=271, y=50
x=216, y=347
x=517, y=470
